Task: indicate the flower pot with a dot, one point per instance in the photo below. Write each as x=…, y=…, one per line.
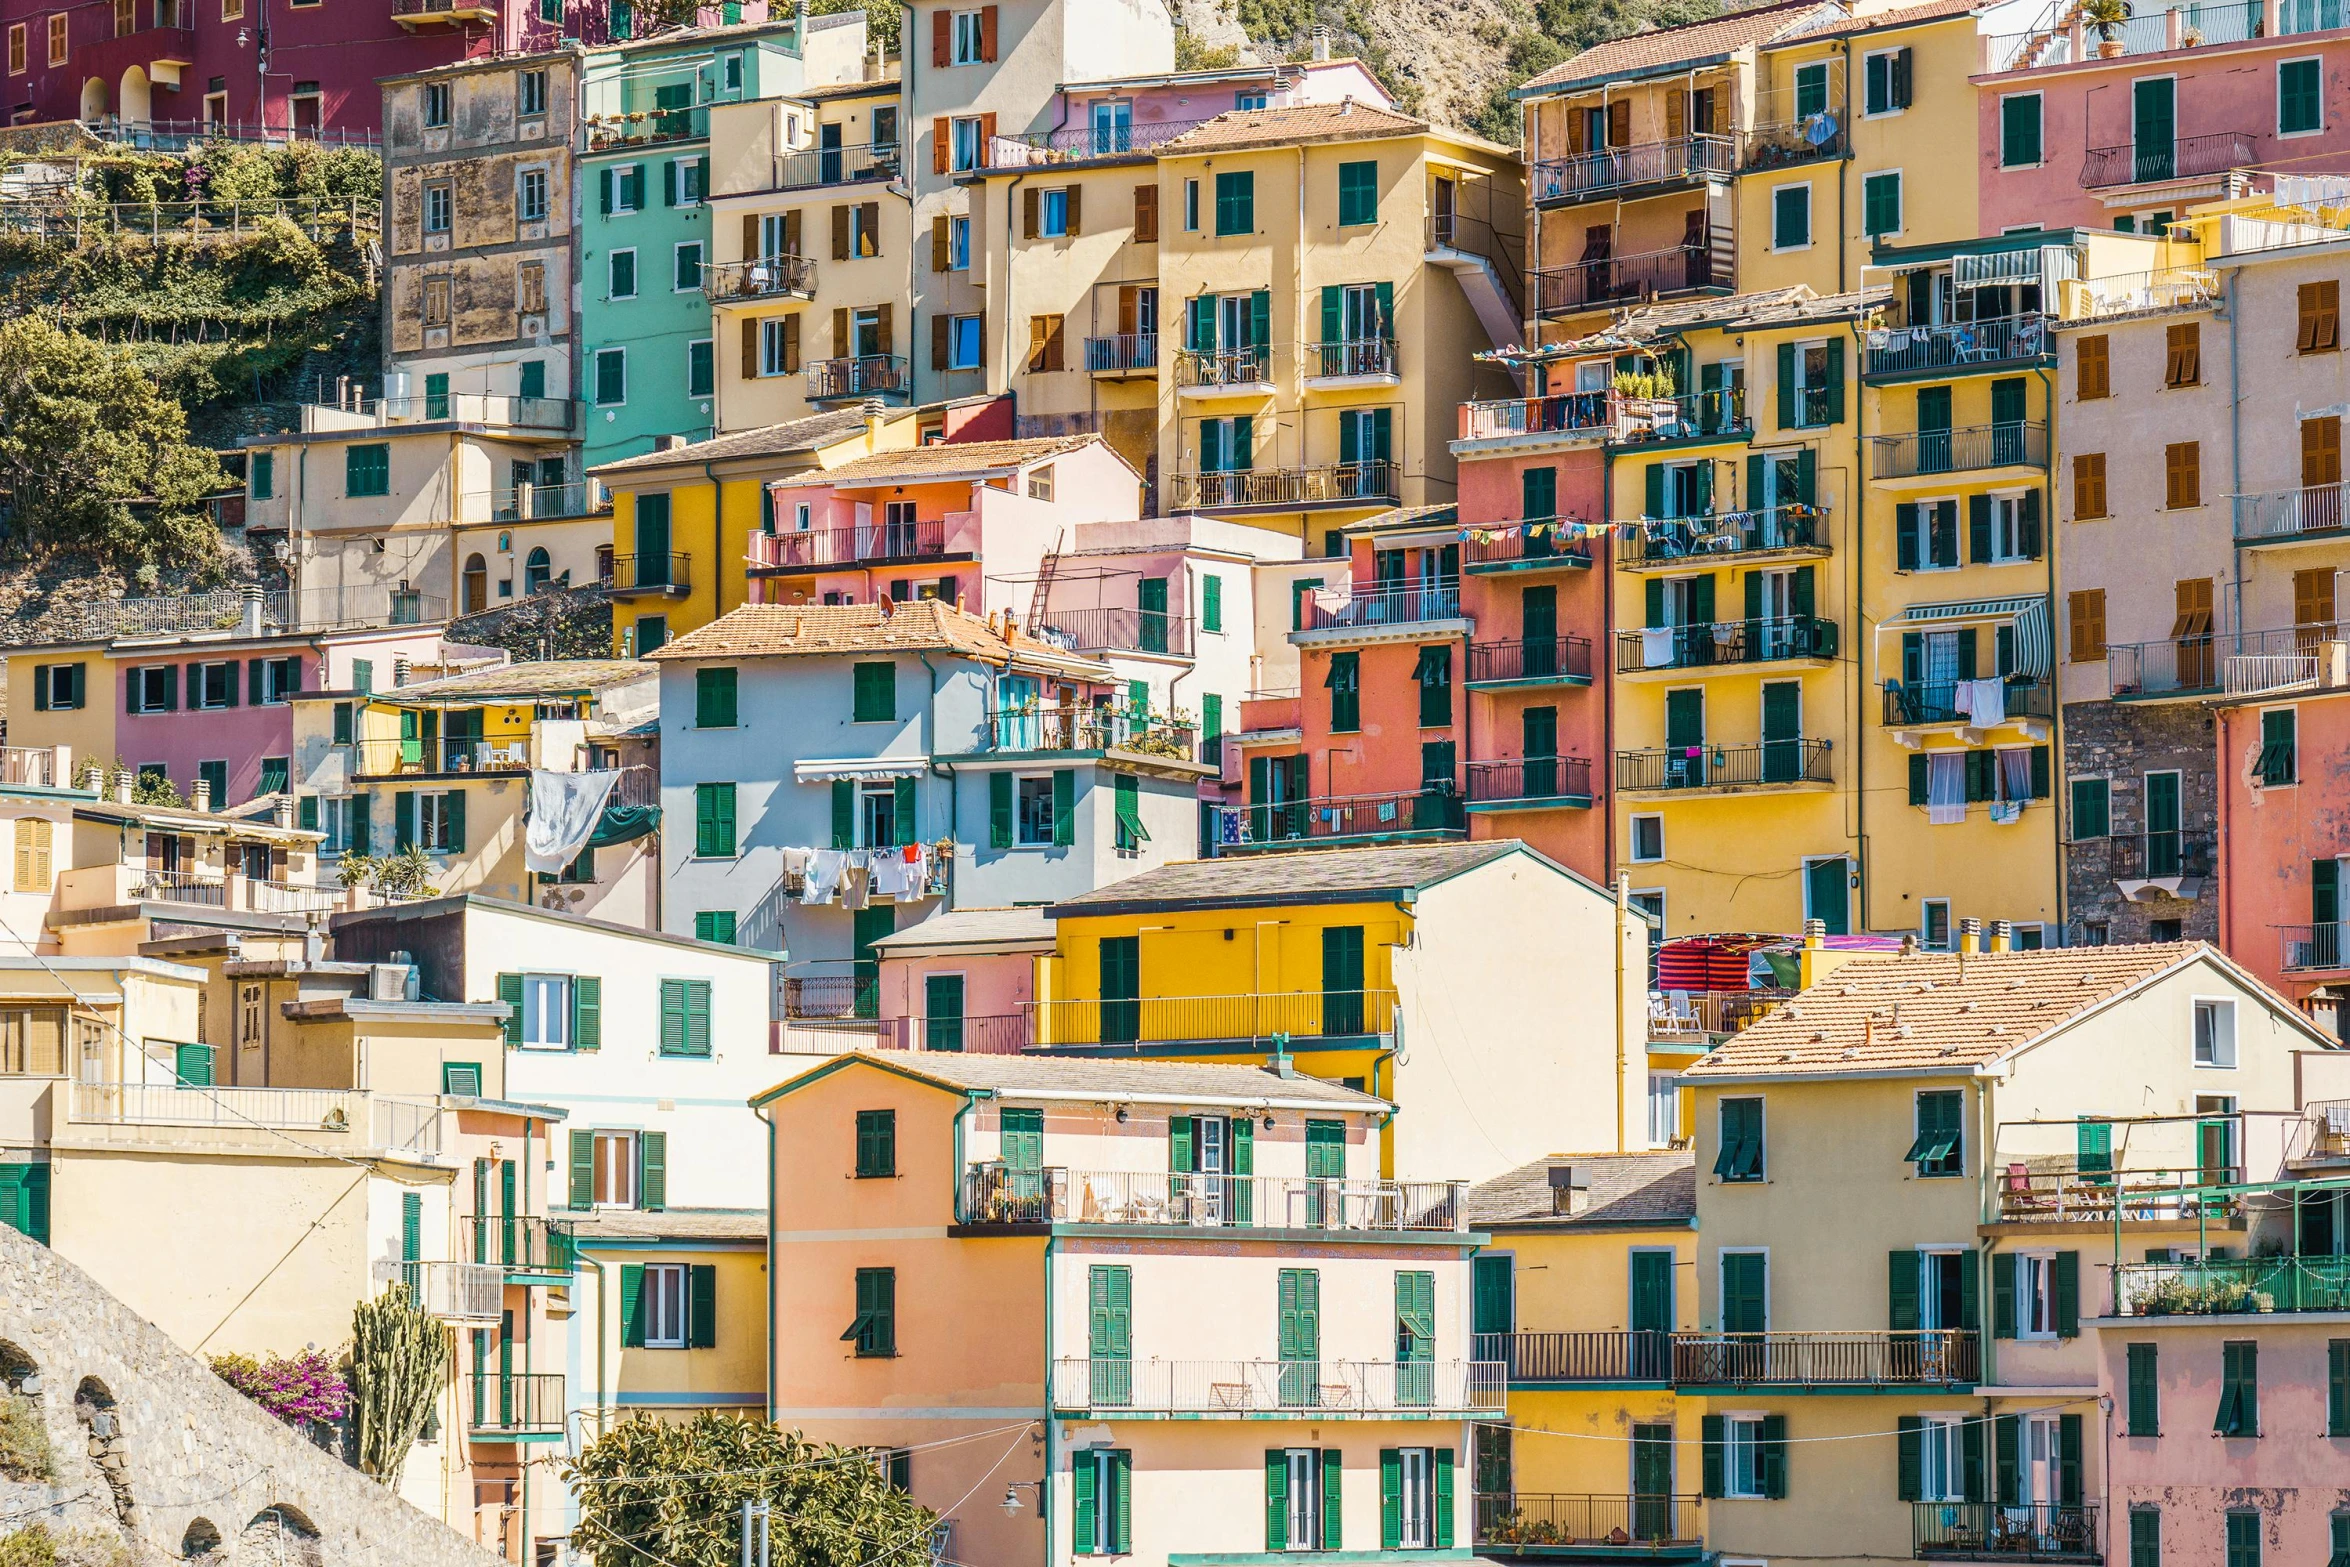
x=2111, y=49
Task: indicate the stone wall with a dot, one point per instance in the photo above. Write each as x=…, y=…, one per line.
x=148, y=1446
x=2122, y=742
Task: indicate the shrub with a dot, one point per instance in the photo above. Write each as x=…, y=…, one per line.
x=24, y=1440
x=302, y=1390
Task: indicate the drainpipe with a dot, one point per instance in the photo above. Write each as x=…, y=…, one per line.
x=761, y=1112
x=930, y=742
x=2235, y=448
x=717, y=527
x=1606, y=648
x=1011, y=228
x=1859, y=533
x=2057, y=800
x=1843, y=169
x=1044, y=1484
x=1623, y=913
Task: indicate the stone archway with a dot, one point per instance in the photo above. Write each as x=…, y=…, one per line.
x=281, y=1534
x=201, y=1540
x=93, y=1406
x=94, y=99
x=137, y=96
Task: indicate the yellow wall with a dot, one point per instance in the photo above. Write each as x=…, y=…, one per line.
x=622, y=1380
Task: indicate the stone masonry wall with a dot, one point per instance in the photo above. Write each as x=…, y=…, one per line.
x=2122, y=742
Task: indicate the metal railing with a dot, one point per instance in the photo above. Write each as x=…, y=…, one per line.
x=397, y=1125
x=2012, y=445
x=1240, y=1387
x=1082, y=143
x=1725, y=642
x=2257, y=674
x=520, y=1403
x=1605, y=1356
x=1360, y=356
x=1077, y=727
x=530, y=413
x=531, y=502
x=642, y=127
x=1680, y=161
x=2141, y=293
x=1611, y=280
x=1425, y=812
x=1523, y=546
x=2153, y=855
x=1973, y=345
x=2322, y=1133
x=1376, y=604
x=1116, y=630
x=994, y=1193
x=1725, y=766
x=2153, y=32
x=195, y=887
x=2304, y=947
x=819, y=166
x=669, y=573
x=519, y=1243
x=869, y=376
x=1787, y=142
x=2183, y=157
x=1530, y=778
x=1660, y=541
x=1999, y=1531
x=221, y=609
x=2287, y=514
x=1625, y=1523
x=1951, y=702
x=1312, y=1014
x=199, y=222
x=179, y=135
x=762, y=277
x=452, y=1291
x=832, y=996
x=1004, y=1034
x=284, y=897
x=2220, y=1286
x=1122, y=351
x=1561, y=413
x=1249, y=367
x=1929, y=1357
x=387, y=756
x=1706, y=1014
x=1353, y=481
x=869, y=542
x=2060, y=1192
x=1530, y=658
x=28, y=766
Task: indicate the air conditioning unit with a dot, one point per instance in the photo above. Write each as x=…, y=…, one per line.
x=391, y=982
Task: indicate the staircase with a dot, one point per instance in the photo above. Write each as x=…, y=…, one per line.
x=1044, y=584
x=1481, y=281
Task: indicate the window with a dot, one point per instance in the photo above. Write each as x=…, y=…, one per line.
x=1791, y=217
x=2085, y=625
x=2279, y=762
x=19, y=50
x=615, y=1169
x=2182, y=363
x=1741, y=1155
x=2300, y=97
x=2145, y=1536
x=436, y=105
x=2088, y=486
x=57, y=49
x=1749, y=1457
x=701, y=368
x=1052, y=212
x=1358, y=193
x=877, y=1144
x=969, y=38
x=1046, y=339
x=1880, y=201
x=2093, y=370
x=155, y=689
x=436, y=207
x=622, y=275
x=1886, y=85
x=2239, y=1399
x=779, y=345
x=545, y=1010
x=439, y=822
x=874, y=695
x=530, y=90
x=59, y=688
x=2321, y=317
x=1344, y=681
x=1129, y=834
x=963, y=340
x=1191, y=206
x=2243, y=1535
x=621, y=187
x=2019, y=131
x=261, y=475
x=1940, y=1145
x=2047, y=1293
x=1302, y=1499
x=685, y=267
x=436, y=302
x=2092, y=809
x=367, y=470
x=1245, y=101
x=611, y=376
x=958, y=244
x=1933, y=1454
x=530, y=287
x=1408, y=1486
x=2215, y=1033
x=1236, y=203
x=684, y=182
x=714, y=698
x=968, y=149
x=530, y=196
x=661, y=1306
x=2143, y=1409
x=874, y=1329
x=714, y=833
x=2182, y=475
x=715, y=925
x=1648, y=838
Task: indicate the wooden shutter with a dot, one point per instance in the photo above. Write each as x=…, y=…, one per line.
x=942, y=37
x=1146, y=214
x=941, y=250
x=1676, y=115
x=842, y=346
x=942, y=132
x=2085, y=616
x=882, y=330
x=587, y=1012
x=2321, y=451
x=987, y=33
x=986, y=140
x=1076, y=222
x=840, y=233
x=1619, y=123
x=2093, y=369
x=2320, y=316
x=2183, y=362
x=652, y=1192
x=791, y=345
x=939, y=327
x=1031, y=203
x=583, y=1169
x=750, y=346
x=2313, y=597
x=750, y=236
x=2088, y=485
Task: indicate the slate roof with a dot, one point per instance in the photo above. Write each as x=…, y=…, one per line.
x=517, y=682
x=769, y=440
x=1937, y=1011
x=671, y=1224
x=1301, y=876
x=1626, y=1188
x=972, y=928
x=943, y=461
x=1664, y=48
x=1168, y=1082
x=776, y=630
x=1285, y=127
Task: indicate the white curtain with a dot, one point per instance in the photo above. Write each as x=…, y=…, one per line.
x=564, y=810
x=1946, y=788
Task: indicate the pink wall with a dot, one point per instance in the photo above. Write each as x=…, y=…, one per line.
x=995, y=985
x=2268, y=836
x=240, y=736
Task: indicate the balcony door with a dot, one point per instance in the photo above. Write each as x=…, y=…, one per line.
x=2154, y=129
x=1934, y=430
x=1342, y=979
x=1121, y=1008
x=1782, y=731
x=1538, y=626
x=2163, y=856
x=1651, y=1354
x=1652, y=1482
x=652, y=541
x=1827, y=894
x=1685, y=738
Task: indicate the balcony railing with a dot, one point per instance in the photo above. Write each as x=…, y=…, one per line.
x=836, y=166
x=636, y=128
x=2142, y=293
x=1155, y=1020
x=2147, y=856
x=2306, y=947
x=519, y=1243
x=1933, y=1356
x=1538, y=1520
x=1330, y=1388
x=1707, y=1014
x=2184, y=157
x=527, y=502
x=1523, y=547
x=1005, y=1034
x=1725, y=766
x=1967, y=702
x=530, y=413
x=1247, y=367
x=192, y=887
x=1122, y=352
x=830, y=996
x=1685, y=160
x=2006, y=1531
x=1077, y=727
x=2229, y=1285
x=763, y=277
x=1530, y=779
x=453, y=1291
x=1116, y=630
x=1253, y=487
x=28, y=766
x=1613, y=280
x=403, y=1125
x=1351, y=357
x=1377, y=605
x=1695, y=415
x=1608, y=1356
x=1725, y=642
x=284, y=897
x=1083, y=143
x=2061, y=1192
x=671, y=573
x=1662, y=541
x=1785, y=142
x=1973, y=345
x=517, y=1404
x=1428, y=812
x=1958, y=451
x=2322, y=1134
x=871, y=375
x=377, y=758
x=865, y=544
x=2289, y=514
x=1561, y=413
x=996, y=1194
x=1530, y=659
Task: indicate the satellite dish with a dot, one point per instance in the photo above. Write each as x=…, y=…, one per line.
x=1820, y=130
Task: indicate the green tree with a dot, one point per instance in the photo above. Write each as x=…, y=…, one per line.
x=399, y=1356
x=94, y=460
x=675, y=1492
x=881, y=19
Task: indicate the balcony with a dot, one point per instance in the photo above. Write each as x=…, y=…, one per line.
x=2229, y=1286
x=669, y=576
x=1599, y=282
x=864, y=163
x=1533, y=420
x=1676, y=541
x=520, y=1244
x=1977, y=704
x=1957, y=348
x=1530, y=661
x=1603, y=1357
x=1350, y=362
x=413, y=14
x=1788, y=142
x=1079, y=727
x=1005, y=1034
x=1725, y=642
x=537, y=502
x=1078, y=144
x=1115, y=630
x=2119, y=295
x=996, y=1194
x=1537, y=544
x=1383, y=607
x=343, y=1117
x=869, y=375
x=1320, y=821
x=2176, y=856
x=1251, y=1020
x=2199, y=665
x=646, y=127
x=388, y=757
x=1530, y=783
x=470, y=1292
x=1933, y=1357
x=1975, y=448
x=764, y=277
x=2061, y=1191
x=1645, y=168
x=2310, y=515
x=516, y=1407
x=1245, y=372
x=1544, y=1524
x=2006, y=1531
x=953, y=536
x=1255, y=489
x=1329, y=1389
x=1772, y=763
x=2307, y=949
x=831, y=997
x=2321, y=1136
x=31, y=766
x=1703, y=1016
x=2181, y=158
x=1123, y=355
x=1696, y=416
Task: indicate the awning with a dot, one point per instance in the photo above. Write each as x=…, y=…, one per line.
x=2029, y=616
x=871, y=768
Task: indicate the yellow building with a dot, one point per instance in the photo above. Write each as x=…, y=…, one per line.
x=1583, y=1284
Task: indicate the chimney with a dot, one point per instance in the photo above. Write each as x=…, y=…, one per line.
x=282, y=812
x=124, y=782
x=203, y=794
x=1909, y=944
x=1565, y=1182
x=400, y=669
x=1970, y=934
x=1348, y=105
x=873, y=411
x=1815, y=934
x=1322, y=45
x=2002, y=936
x=250, y=609
x=313, y=942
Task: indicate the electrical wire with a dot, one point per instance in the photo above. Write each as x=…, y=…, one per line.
x=1960, y=1418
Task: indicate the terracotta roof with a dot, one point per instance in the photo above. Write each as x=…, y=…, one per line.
x=1835, y=24
x=945, y=460
x=1666, y=47
x=1299, y=876
x=770, y=440
x=1240, y=128
x=782, y=630
x=1164, y=1082
x=1626, y=1188
x=514, y=682
x=1937, y=1011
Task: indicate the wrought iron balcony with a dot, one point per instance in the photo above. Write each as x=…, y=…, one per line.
x=1530, y=661
x=1246, y=369
x=1123, y=353
x=1930, y=1357
x=1704, y=1015
x=2006, y=1531
x=1379, y=606
x=1724, y=766
x=871, y=375
x=515, y=1406
x=1531, y=781
x=1083, y=143
x=1154, y=1020
x=1331, y=1389
x=519, y=1243
x=1667, y=541
x=995, y=1193
x=2184, y=157
x=1539, y=1522
x=821, y=166
x=1602, y=281
x=1560, y=413
x=1684, y=160
x=670, y=575
x=2157, y=856
x=2281, y=516
x=1249, y=488
x=871, y=543
x=2015, y=445
x=763, y=277
x=1957, y=701
x=1426, y=813
x=1351, y=359
x=1958, y=346
x=1608, y=1356
x=1522, y=548
x=2310, y=947
x=1725, y=642
x=1116, y=630
x=2060, y=1191
x=1078, y=727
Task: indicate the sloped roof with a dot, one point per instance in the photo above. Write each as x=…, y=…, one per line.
x=1242, y=128
x=945, y=460
x=1626, y=1188
x=1939, y=1011
x=1301, y=876
x=769, y=440
x=972, y=928
x=517, y=682
x=782, y=630
x=1835, y=24
x=1170, y=1082
x=1664, y=48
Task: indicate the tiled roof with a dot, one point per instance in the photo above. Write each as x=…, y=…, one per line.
x=769, y=440
x=780, y=630
x=945, y=460
x=1242, y=128
x=1766, y=308
x=516, y=681
x=1301, y=876
x=669, y=1224
x=1835, y=24
x=1937, y=1011
x=1443, y=514
x=1626, y=1188
x=972, y=928
x=1665, y=47
x=1171, y=1082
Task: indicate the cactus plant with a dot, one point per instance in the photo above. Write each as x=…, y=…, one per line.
x=398, y=1356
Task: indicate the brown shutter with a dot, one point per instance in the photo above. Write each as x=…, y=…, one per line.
x=791, y=344
x=2193, y=597
x=841, y=346
x=750, y=236
x=1619, y=123
x=942, y=133
x=942, y=37
x=1146, y=214
x=1053, y=356
x=1076, y=210
x=2092, y=371
x=2313, y=597
x=750, y=349
x=987, y=21
x=2087, y=624
x=2321, y=451
x=1129, y=309
x=840, y=233
x=873, y=227
x=1036, y=343
x=888, y=344
x=791, y=233
x=986, y=141
x=2088, y=485
x=2321, y=310
x=1029, y=202
x=939, y=245
x=939, y=327
x=1574, y=131
x=2183, y=475
x=1676, y=116
x=2184, y=364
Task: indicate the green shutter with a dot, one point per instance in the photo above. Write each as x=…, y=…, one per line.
x=902, y=810
x=2146, y=1537
x=2068, y=1294
x=1276, y=1499
x=673, y=1017
x=2006, y=1458
x=1909, y=1466
x=844, y=814
x=1771, y=1456
x=2143, y=1410
x=1711, y=1432
x=1211, y=603
x=999, y=810
x=587, y=1012
x=2337, y=1387
x=453, y=820
x=192, y=1065
x=653, y=1171
x=1332, y=1507
x=510, y=992
x=1789, y=413
x=2068, y=1460
x=1444, y=1503
x=1835, y=390
x=701, y=1315
x=1179, y=1143
x=1083, y=1471
x=411, y=1226
x=1901, y=1274
x=2003, y=1294
x=1390, y=1498
x=403, y=820
x=715, y=698
x=583, y=1170
x=1064, y=807
x=875, y=693
x=1970, y=1460
x=632, y=1305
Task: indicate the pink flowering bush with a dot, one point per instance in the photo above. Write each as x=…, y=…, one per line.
x=302, y=1390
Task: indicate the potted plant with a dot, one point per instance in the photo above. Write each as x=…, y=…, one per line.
x=2105, y=19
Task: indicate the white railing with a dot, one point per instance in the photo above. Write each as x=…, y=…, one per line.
x=33, y=765
x=406, y=1126
x=183, y=887
x=2141, y=293
x=2249, y=674
x=284, y=897
x=993, y=1192
x=1325, y=1388
x=452, y=1291
x=401, y=1125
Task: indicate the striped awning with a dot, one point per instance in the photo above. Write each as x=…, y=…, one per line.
x=867, y=768
x=2033, y=641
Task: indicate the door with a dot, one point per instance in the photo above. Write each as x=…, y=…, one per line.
x=871, y=924
x=652, y=544
x=942, y=1012
x=828, y=140
x=1446, y=209
x=1827, y=895
x=1300, y=1338
x=2153, y=124
x=1684, y=739
x=1151, y=600
x=2215, y=1138
x=1933, y=429
x=1415, y=1339
x=1342, y=979
x=2007, y=420
x=1538, y=628
x=1652, y=1316
x=1782, y=731
x=1325, y=1172
x=2162, y=824
x=1652, y=1482
x=1121, y=990
x=1113, y=129
x=1022, y=1195
x=1745, y=1314
x=1540, y=733
x=1110, y=1336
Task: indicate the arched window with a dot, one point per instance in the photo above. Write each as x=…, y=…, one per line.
x=477, y=584
x=536, y=571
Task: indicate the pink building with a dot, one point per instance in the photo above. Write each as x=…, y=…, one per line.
x=2284, y=830
x=2174, y=110
x=1138, y=112
x=962, y=981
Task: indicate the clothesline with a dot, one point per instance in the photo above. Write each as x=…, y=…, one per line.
x=813, y=876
